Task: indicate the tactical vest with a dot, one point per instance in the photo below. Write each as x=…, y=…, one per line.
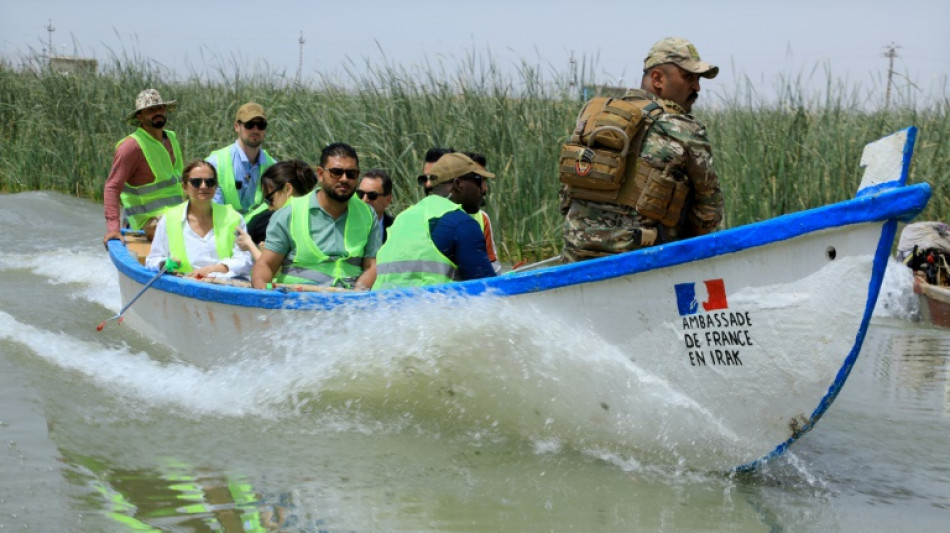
x=142, y=202
x=310, y=264
x=227, y=180
x=225, y=220
x=409, y=258
x=601, y=162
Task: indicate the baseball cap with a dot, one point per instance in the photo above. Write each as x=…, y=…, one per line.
x=680, y=52
x=249, y=111
x=453, y=165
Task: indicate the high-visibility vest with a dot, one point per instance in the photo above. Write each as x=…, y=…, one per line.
x=147, y=201
x=409, y=258
x=480, y=219
x=310, y=264
x=256, y=210
x=226, y=178
x=225, y=220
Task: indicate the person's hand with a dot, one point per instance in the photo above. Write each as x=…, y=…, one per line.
x=205, y=270
x=110, y=235
x=243, y=239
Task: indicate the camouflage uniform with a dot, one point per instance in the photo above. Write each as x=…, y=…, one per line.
x=677, y=143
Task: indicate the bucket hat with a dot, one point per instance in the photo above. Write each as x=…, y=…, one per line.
x=146, y=99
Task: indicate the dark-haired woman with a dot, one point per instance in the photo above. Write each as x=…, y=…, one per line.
x=200, y=234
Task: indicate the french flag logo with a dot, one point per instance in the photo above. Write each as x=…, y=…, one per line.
x=688, y=303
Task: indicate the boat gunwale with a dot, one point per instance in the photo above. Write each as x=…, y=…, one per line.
x=901, y=203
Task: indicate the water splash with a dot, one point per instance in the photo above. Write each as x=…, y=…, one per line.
x=897, y=298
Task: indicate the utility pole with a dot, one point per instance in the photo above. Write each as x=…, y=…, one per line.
x=572, y=83
x=49, y=43
x=300, y=57
x=890, y=55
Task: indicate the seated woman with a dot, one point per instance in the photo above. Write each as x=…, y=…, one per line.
x=198, y=233
x=279, y=183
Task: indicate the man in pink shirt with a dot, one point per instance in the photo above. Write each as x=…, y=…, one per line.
x=146, y=169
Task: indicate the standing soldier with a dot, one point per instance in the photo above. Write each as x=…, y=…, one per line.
x=146, y=169
x=669, y=189
x=241, y=164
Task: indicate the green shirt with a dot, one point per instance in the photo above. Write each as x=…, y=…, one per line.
x=326, y=232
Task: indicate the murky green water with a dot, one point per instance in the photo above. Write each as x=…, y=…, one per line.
x=107, y=432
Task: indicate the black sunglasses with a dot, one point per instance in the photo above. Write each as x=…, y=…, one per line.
x=372, y=195
x=351, y=173
x=269, y=197
x=209, y=182
x=259, y=124
x=422, y=179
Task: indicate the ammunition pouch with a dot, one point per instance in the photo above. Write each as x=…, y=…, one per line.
x=591, y=168
x=663, y=197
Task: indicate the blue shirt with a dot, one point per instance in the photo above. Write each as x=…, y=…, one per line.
x=246, y=175
x=460, y=238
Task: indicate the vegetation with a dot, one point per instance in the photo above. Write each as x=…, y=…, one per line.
x=58, y=132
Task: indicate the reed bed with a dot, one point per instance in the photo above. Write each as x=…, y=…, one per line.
x=800, y=150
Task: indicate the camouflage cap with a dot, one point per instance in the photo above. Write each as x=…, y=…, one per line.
x=249, y=111
x=149, y=98
x=680, y=52
x=454, y=165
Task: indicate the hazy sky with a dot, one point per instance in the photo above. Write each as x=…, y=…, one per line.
x=759, y=40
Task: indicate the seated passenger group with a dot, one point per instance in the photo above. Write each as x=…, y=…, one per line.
x=322, y=228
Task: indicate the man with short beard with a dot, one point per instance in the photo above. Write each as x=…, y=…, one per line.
x=146, y=169
x=329, y=237
x=670, y=189
x=241, y=164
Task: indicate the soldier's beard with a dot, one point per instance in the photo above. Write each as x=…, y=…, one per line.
x=158, y=121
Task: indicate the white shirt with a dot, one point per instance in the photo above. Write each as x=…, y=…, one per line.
x=202, y=251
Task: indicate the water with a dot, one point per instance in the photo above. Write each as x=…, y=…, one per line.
x=109, y=432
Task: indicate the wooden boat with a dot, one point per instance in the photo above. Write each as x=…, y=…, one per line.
x=755, y=327
x=934, y=302
x=925, y=248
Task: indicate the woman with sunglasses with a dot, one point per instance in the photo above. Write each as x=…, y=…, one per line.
x=200, y=234
x=279, y=183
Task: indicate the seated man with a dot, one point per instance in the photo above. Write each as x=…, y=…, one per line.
x=327, y=238
x=435, y=241
x=376, y=189
x=481, y=216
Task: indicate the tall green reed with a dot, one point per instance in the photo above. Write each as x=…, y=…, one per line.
x=777, y=155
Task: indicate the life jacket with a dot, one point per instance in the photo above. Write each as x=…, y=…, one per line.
x=310, y=264
x=227, y=180
x=225, y=220
x=601, y=162
x=409, y=258
x=143, y=202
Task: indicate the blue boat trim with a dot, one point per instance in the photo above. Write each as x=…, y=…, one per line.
x=894, y=204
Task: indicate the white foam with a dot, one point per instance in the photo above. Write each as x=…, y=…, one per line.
x=90, y=270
